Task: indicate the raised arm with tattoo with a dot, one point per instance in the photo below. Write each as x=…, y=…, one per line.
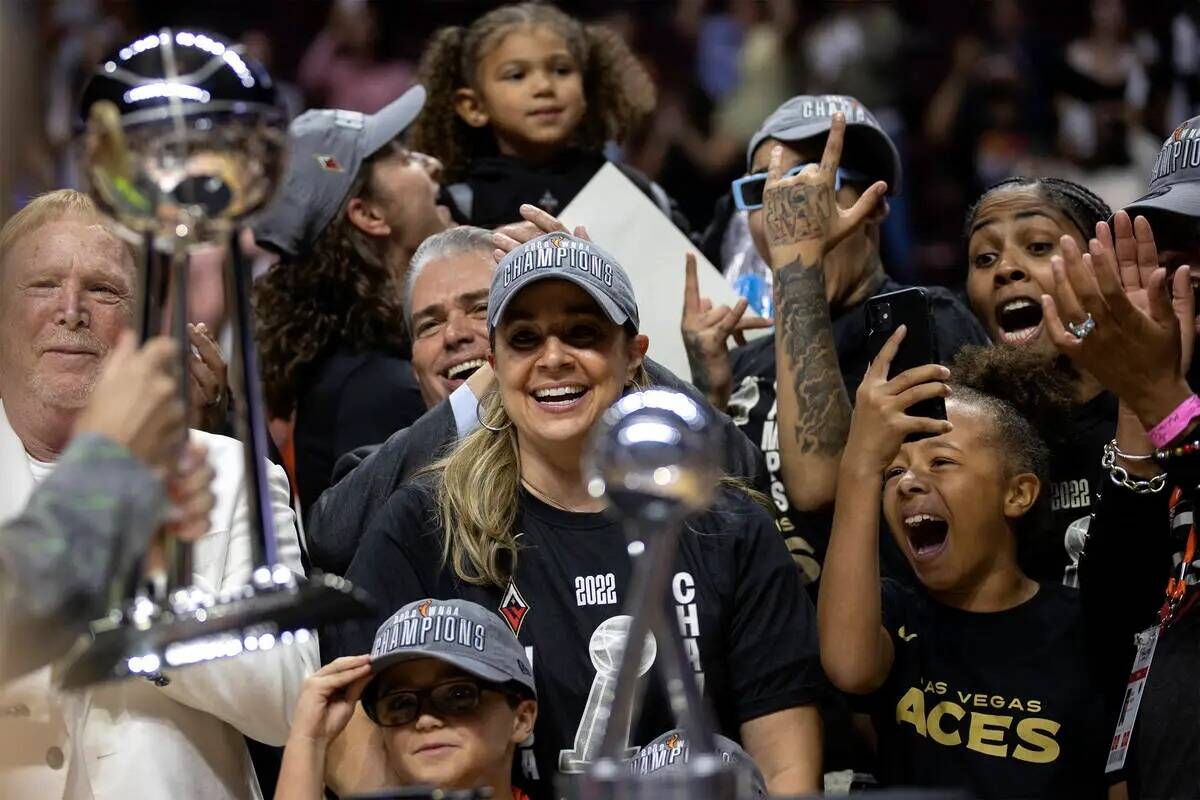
x=803, y=223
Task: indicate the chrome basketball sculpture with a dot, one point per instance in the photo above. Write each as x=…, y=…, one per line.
x=181, y=130
x=182, y=138
x=654, y=456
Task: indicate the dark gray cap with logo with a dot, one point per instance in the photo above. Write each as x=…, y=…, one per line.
x=326, y=150
x=1175, y=181
x=867, y=149
x=458, y=632
x=669, y=753
x=564, y=257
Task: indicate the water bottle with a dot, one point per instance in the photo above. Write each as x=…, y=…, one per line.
x=749, y=275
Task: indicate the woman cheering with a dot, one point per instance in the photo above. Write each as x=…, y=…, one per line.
x=506, y=521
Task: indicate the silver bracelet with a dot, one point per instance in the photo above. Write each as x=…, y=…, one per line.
x=1120, y=475
x=1128, y=456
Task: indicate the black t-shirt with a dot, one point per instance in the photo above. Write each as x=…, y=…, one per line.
x=1166, y=745
x=747, y=627
x=1075, y=480
x=491, y=192
x=1003, y=704
x=349, y=398
x=752, y=406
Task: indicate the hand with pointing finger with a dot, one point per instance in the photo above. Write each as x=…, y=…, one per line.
x=802, y=219
x=706, y=331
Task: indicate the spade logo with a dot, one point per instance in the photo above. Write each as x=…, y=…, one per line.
x=513, y=608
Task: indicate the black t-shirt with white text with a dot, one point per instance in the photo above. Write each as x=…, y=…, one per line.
x=748, y=629
x=752, y=406
x=1004, y=704
x=1075, y=479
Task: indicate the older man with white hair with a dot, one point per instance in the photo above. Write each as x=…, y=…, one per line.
x=67, y=289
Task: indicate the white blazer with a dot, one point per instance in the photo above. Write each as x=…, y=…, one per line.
x=136, y=740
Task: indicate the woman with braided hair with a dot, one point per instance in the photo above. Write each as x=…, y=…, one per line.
x=522, y=103
x=1012, y=232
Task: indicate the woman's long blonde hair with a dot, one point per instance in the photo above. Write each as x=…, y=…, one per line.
x=477, y=490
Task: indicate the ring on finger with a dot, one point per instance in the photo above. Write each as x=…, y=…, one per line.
x=1080, y=330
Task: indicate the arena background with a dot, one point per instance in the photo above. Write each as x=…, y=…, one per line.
x=971, y=91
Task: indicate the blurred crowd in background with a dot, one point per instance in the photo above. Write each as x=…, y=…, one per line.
x=971, y=91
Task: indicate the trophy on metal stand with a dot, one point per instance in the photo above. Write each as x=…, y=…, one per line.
x=182, y=139
x=654, y=457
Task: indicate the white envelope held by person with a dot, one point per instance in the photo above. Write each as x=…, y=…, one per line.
x=628, y=225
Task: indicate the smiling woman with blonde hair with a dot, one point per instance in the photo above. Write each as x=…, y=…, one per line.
x=505, y=520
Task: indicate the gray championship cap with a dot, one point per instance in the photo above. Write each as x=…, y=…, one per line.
x=867, y=149
x=326, y=149
x=568, y=258
x=669, y=753
x=1175, y=181
x=458, y=632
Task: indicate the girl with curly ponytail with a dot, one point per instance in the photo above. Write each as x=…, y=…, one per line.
x=521, y=105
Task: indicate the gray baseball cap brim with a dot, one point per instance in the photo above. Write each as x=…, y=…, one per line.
x=610, y=309
x=469, y=665
x=1181, y=198
x=392, y=120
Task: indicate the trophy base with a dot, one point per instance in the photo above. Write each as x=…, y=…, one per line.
x=194, y=627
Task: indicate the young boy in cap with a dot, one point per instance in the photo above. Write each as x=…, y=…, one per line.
x=448, y=687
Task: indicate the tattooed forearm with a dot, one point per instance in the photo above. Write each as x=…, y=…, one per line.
x=806, y=337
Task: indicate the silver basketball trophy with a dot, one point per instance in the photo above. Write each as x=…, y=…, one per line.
x=654, y=457
x=182, y=139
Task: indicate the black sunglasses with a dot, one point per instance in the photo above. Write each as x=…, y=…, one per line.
x=453, y=699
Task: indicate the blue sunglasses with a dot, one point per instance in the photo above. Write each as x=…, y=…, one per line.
x=748, y=190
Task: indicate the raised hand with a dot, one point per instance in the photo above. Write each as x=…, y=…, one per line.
x=135, y=402
x=880, y=421
x=507, y=238
x=1136, y=258
x=189, y=488
x=706, y=331
x=803, y=221
x=1135, y=345
x=328, y=698
x=210, y=381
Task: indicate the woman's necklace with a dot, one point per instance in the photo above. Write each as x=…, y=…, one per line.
x=550, y=501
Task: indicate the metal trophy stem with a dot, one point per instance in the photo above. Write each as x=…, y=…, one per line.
x=653, y=457
x=251, y=427
x=183, y=139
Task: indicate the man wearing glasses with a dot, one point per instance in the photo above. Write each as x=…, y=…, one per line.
x=826, y=315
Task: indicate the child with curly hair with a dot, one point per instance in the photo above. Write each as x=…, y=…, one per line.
x=521, y=105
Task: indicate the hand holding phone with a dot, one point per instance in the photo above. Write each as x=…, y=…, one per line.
x=910, y=308
x=882, y=420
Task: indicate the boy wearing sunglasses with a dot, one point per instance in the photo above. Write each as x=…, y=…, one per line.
x=449, y=690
